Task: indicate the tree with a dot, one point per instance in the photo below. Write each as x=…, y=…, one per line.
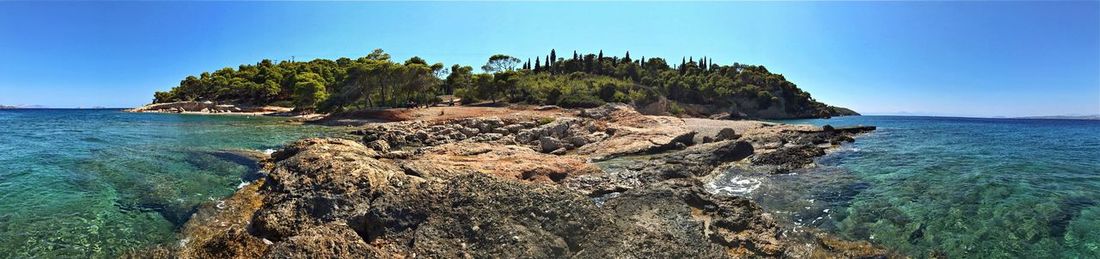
x=461, y=77
x=309, y=89
x=378, y=54
x=376, y=81
x=500, y=63
x=417, y=80
x=552, y=58
x=415, y=60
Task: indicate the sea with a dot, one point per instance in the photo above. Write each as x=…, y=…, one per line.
x=103, y=183
x=947, y=187
x=77, y=183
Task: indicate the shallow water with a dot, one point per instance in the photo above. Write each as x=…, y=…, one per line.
x=98, y=183
x=961, y=187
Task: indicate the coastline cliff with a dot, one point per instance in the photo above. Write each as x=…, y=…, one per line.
x=592, y=183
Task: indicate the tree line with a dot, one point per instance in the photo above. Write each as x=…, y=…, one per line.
x=582, y=80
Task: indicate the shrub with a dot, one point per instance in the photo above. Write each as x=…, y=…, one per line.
x=580, y=101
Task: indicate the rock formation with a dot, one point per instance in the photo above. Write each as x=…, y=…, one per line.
x=504, y=188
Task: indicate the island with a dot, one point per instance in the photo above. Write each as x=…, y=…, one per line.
x=589, y=157
x=694, y=87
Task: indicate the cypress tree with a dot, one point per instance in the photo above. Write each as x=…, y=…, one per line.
x=600, y=57
x=552, y=58
x=538, y=65
x=575, y=55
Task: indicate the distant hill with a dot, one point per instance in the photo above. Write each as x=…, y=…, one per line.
x=1064, y=117
x=22, y=107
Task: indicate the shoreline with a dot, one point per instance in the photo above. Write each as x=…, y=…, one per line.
x=209, y=108
x=518, y=149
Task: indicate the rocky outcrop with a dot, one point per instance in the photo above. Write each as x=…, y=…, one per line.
x=626, y=174
x=508, y=161
x=413, y=134
x=634, y=133
x=796, y=148
x=599, y=133
x=330, y=198
x=401, y=191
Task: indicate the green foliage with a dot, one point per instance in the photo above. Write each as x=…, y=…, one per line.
x=581, y=81
x=675, y=109
x=545, y=120
x=580, y=101
x=309, y=90
x=500, y=63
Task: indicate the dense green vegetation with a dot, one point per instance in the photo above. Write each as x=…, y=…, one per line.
x=578, y=81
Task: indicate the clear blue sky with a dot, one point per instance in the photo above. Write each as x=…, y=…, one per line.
x=971, y=58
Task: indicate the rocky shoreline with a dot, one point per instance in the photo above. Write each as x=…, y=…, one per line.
x=606, y=182
x=211, y=108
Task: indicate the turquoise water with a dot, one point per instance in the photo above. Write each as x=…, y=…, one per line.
x=98, y=183
x=961, y=187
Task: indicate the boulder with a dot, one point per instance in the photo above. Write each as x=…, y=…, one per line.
x=333, y=240
x=469, y=132
x=381, y=146
x=726, y=134
x=548, y=144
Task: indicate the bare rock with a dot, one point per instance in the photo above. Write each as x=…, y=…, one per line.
x=506, y=161
x=726, y=134
x=381, y=146
x=328, y=241
x=547, y=144
x=695, y=161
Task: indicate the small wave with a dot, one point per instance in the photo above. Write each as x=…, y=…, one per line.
x=269, y=151
x=739, y=186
